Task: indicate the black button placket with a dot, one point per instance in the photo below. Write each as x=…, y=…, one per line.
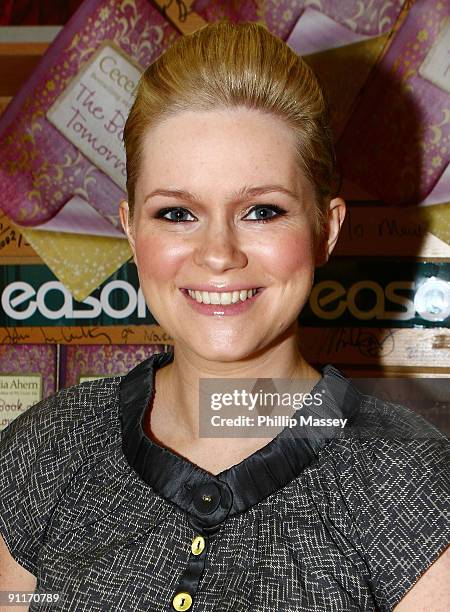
x=209, y=506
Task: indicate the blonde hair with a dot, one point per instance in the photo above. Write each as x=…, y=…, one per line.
x=225, y=65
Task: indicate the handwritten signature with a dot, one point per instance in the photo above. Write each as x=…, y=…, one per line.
x=126, y=332
x=157, y=338
x=369, y=343
x=84, y=332
x=12, y=336
x=78, y=335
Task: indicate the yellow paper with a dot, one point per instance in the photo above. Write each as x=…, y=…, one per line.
x=79, y=261
x=437, y=220
x=343, y=71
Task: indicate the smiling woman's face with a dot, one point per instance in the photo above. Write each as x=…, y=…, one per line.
x=208, y=160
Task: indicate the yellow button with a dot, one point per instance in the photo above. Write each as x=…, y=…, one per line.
x=182, y=601
x=198, y=545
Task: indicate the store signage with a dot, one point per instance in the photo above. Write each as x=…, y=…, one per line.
x=345, y=293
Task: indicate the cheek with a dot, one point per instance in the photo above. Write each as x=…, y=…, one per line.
x=157, y=260
x=290, y=256
x=286, y=257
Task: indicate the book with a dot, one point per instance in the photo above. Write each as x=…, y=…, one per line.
x=28, y=373
x=44, y=159
x=61, y=135
x=82, y=363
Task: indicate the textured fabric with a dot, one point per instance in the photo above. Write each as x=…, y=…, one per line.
x=365, y=514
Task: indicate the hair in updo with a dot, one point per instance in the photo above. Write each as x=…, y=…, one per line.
x=226, y=65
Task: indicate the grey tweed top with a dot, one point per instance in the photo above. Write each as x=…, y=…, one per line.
x=336, y=520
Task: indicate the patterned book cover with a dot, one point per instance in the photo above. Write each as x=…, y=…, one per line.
x=62, y=159
x=61, y=135
x=28, y=374
x=280, y=16
x=13, y=246
x=81, y=363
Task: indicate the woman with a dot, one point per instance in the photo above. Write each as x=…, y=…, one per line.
x=109, y=495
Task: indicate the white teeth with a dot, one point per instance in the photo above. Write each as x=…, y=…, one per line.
x=225, y=297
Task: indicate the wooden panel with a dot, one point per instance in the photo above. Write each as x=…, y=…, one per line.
x=17, y=62
x=112, y=334
x=369, y=346
x=13, y=247
x=388, y=231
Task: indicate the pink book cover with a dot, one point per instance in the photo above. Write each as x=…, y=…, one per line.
x=81, y=363
x=280, y=16
x=395, y=147
x=61, y=135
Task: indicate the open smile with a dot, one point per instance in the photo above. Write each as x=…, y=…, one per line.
x=222, y=302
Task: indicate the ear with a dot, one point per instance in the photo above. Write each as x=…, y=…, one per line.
x=332, y=227
x=124, y=214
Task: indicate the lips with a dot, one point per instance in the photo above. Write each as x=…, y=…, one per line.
x=222, y=309
x=221, y=289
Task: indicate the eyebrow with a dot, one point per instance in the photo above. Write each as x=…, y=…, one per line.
x=239, y=195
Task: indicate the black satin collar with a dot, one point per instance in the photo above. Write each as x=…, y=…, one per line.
x=243, y=485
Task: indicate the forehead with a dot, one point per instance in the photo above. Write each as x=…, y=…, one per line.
x=201, y=150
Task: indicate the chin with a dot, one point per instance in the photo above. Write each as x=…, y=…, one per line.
x=226, y=354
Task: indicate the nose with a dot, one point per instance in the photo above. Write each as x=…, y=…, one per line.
x=218, y=249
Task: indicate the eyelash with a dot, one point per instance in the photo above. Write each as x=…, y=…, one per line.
x=164, y=211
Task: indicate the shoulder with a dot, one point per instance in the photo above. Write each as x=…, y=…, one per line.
x=389, y=452
x=392, y=467
x=59, y=432
x=396, y=447
x=42, y=450
x=381, y=441
x=394, y=420
x=63, y=412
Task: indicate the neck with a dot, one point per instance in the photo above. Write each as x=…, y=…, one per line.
x=177, y=383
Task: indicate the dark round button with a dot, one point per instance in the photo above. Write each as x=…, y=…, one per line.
x=206, y=498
